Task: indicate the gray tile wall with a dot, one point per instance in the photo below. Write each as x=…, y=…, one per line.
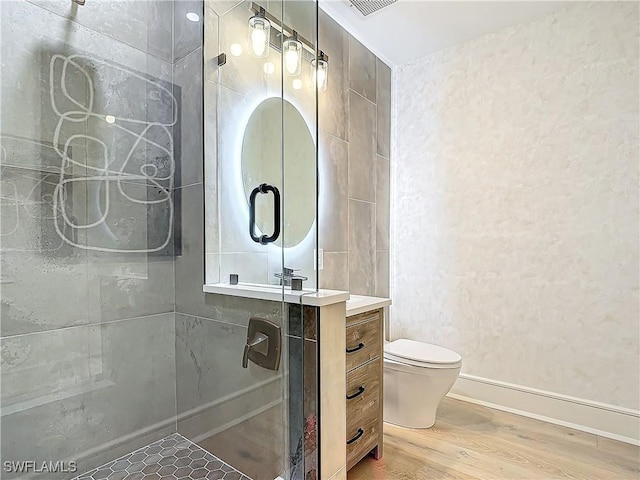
x=354, y=122
x=87, y=333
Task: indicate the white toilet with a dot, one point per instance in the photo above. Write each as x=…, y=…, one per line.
x=417, y=376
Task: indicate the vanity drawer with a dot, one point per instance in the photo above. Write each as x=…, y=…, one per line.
x=362, y=438
x=364, y=342
x=364, y=317
x=363, y=386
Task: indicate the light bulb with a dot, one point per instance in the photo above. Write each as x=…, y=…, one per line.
x=193, y=17
x=269, y=68
x=292, y=49
x=297, y=84
x=110, y=119
x=258, y=41
x=235, y=49
x=291, y=61
x=322, y=80
x=259, y=30
x=320, y=73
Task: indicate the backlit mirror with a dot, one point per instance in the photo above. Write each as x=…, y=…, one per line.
x=262, y=163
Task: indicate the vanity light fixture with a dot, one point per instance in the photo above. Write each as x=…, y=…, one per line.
x=294, y=47
x=259, y=34
x=320, y=71
x=292, y=54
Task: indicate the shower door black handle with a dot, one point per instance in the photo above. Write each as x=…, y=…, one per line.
x=252, y=214
x=276, y=213
x=264, y=239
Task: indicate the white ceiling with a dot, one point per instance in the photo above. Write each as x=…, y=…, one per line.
x=410, y=29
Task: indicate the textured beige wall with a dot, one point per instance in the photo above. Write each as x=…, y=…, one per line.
x=515, y=203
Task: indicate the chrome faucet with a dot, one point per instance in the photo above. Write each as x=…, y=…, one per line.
x=289, y=278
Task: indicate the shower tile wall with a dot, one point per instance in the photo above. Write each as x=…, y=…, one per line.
x=87, y=333
x=354, y=122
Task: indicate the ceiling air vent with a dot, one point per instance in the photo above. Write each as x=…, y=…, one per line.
x=367, y=7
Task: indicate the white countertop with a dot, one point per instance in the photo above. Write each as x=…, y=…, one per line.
x=320, y=298
x=359, y=304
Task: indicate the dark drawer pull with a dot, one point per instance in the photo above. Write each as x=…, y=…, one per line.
x=358, y=435
x=357, y=394
x=359, y=347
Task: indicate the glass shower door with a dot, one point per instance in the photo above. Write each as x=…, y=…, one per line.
x=260, y=196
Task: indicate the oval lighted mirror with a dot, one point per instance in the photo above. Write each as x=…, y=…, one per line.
x=262, y=163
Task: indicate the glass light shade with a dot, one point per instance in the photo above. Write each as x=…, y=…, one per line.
x=259, y=33
x=320, y=74
x=292, y=56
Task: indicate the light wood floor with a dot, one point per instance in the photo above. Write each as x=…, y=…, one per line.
x=469, y=441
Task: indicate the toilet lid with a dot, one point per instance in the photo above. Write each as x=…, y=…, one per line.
x=421, y=352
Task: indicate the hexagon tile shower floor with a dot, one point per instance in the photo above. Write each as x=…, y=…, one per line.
x=173, y=457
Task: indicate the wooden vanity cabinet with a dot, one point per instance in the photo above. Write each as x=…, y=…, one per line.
x=364, y=365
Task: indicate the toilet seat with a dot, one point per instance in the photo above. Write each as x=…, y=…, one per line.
x=420, y=354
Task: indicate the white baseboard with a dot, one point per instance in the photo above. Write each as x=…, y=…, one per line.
x=609, y=421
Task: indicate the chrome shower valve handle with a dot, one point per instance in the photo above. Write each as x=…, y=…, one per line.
x=259, y=343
